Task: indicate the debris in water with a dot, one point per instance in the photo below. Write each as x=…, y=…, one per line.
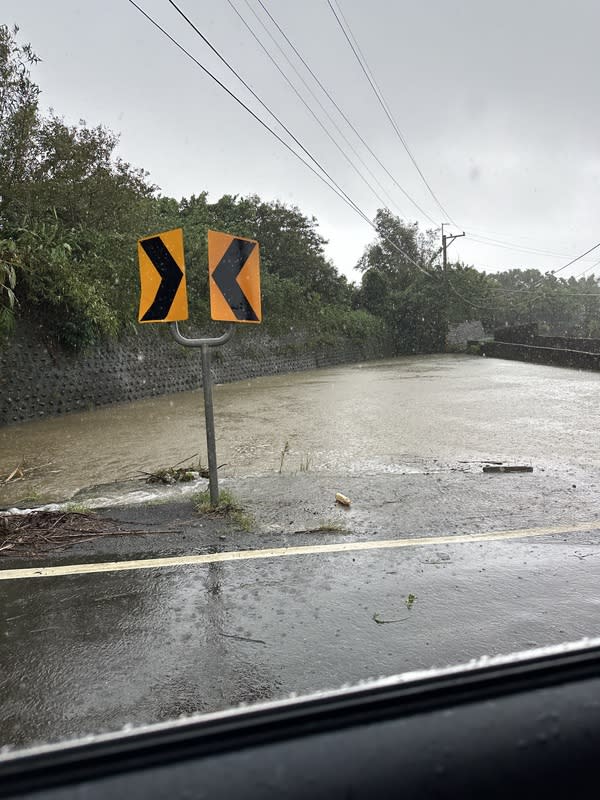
x=379, y=621
x=515, y=468
x=242, y=638
x=17, y=471
x=177, y=473
x=486, y=461
x=20, y=472
x=171, y=475
x=410, y=601
x=342, y=499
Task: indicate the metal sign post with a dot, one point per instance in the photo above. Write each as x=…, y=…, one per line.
x=234, y=288
x=211, y=447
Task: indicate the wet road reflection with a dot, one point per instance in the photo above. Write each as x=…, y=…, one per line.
x=95, y=653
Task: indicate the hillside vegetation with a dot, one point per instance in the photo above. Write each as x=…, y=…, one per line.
x=71, y=211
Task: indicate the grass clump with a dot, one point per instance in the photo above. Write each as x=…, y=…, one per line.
x=330, y=526
x=305, y=463
x=227, y=507
x=284, y=451
x=78, y=508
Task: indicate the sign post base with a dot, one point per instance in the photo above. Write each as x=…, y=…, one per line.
x=211, y=447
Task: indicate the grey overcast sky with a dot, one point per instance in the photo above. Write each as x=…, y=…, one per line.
x=498, y=101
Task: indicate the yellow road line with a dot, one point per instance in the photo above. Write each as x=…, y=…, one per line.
x=278, y=552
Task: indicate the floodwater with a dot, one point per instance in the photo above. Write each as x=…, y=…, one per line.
x=92, y=652
x=403, y=415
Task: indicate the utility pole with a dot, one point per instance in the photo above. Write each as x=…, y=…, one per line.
x=446, y=242
x=445, y=268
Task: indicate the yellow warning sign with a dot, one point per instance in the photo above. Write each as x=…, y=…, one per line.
x=234, y=278
x=163, y=296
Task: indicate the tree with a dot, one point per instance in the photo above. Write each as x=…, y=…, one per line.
x=375, y=291
x=469, y=295
x=398, y=248
x=18, y=119
x=557, y=305
x=82, y=209
x=401, y=286
x=69, y=212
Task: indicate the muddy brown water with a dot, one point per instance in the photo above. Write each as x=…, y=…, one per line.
x=401, y=415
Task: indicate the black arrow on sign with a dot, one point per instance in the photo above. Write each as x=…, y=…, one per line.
x=225, y=276
x=171, y=275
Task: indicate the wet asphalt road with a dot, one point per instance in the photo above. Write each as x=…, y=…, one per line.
x=91, y=653
x=86, y=653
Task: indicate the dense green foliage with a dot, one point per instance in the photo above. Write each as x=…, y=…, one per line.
x=417, y=301
x=67, y=212
x=401, y=286
x=71, y=211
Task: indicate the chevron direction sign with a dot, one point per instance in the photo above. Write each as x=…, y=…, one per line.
x=163, y=296
x=234, y=278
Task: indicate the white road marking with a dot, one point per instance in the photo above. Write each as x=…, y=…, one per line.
x=279, y=552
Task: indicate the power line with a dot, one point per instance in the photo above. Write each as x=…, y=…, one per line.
x=578, y=258
x=488, y=232
x=339, y=110
x=487, y=268
x=287, y=130
x=321, y=106
x=255, y=116
x=524, y=299
x=494, y=270
x=528, y=291
x=310, y=110
x=506, y=245
x=523, y=241
x=263, y=104
x=252, y=92
x=333, y=185
x=355, y=47
x=587, y=269
x=535, y=290
x=470, y=302
x=537, y=295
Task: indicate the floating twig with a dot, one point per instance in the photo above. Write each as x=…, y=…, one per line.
x=16, y=470
x=515, y=468
x=242, y=638
x=379, y=621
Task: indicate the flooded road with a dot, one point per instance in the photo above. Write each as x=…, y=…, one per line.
x=194, y=614
x=404, y=415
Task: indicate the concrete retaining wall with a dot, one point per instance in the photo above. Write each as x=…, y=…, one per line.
x=542, y=355
x=39, y=381
x=523, y=343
